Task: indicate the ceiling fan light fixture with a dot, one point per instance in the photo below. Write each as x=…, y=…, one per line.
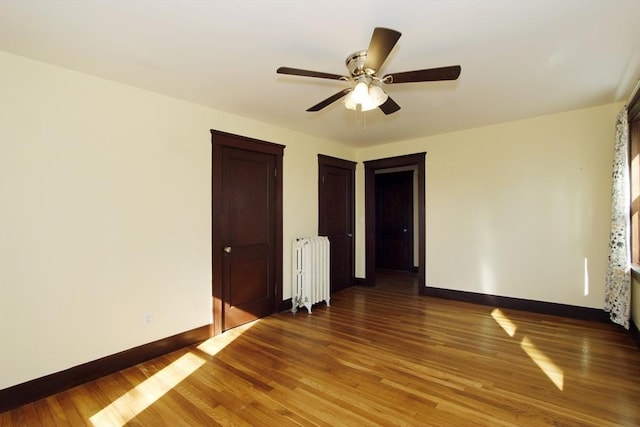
x=365, y=96
x=363, y=67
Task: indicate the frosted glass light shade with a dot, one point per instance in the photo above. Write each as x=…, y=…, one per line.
x=367, y=97
x=361, y=93
x=377, y=95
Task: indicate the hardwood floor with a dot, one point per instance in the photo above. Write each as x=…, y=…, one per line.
x=377, y=356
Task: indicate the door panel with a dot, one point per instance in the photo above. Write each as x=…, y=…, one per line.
x=394, y=221
x=246, y=203
x=256, y=272
x=247, y=232
x=336, y=217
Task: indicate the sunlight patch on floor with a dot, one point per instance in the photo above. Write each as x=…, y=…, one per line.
x=551, y=370
x=214, y=344
x=136, y=400
x=139, y=398
x=504, y=322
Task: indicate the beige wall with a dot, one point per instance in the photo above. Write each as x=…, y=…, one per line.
x=105, y=214
x=519, y=209
x=105, y=211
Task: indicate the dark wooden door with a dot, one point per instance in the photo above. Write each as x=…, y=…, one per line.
x=336, y=208
x=246, y=241
x=247, y=235
x=394, y=221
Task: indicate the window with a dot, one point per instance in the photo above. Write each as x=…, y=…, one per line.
x=634, y=151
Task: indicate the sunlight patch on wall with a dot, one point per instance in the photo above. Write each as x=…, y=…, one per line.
x=487, y=278
x=136, y=400
x=504, y=322
x=586, y=277
x=551, y=370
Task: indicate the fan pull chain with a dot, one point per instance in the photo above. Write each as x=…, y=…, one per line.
x=364, y=116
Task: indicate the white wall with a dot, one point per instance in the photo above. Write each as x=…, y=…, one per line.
x=519, y=209
x=105, y=214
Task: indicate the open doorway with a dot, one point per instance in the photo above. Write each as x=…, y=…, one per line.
x=416, y=163
x=396, y=220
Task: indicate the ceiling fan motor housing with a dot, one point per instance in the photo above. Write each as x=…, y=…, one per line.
x=355, y=63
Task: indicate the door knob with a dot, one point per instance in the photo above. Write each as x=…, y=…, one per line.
x=349, y=235
x=227, y=249
x=404, y=230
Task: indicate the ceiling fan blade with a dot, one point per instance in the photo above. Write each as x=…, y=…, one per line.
x=382, y=41
x=430, y=75
x=307, y=73
x=389, y=106
x=333, y=98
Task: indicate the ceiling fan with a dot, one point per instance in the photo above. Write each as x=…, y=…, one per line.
x=366, y=93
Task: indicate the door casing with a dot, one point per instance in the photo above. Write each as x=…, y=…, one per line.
x=370, y=166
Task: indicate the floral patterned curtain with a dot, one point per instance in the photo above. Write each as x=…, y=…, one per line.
x=618, y=285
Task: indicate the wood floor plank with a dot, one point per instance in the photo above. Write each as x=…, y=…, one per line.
x=57, y=412
x=45, y=417
x=63, y=402
x=377, y=356
x=5, y=419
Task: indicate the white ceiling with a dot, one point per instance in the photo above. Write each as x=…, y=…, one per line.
x=519, y=58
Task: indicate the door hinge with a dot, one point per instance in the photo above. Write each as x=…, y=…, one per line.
x=323, y=179
x=275, y=172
